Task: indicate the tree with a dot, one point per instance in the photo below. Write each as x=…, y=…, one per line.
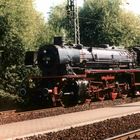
x=21, y=29
x=58, y=22
x=105, y=22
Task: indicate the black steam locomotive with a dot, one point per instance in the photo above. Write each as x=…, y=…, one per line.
x=73, y=74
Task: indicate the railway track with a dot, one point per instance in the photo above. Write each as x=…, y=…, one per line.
x=111, y=121
x=102, y=130
x=133, y=135
x=15, y=116
x=68, y=110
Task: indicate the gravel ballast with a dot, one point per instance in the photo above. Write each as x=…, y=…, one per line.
x=97, y=131
x=22, y=116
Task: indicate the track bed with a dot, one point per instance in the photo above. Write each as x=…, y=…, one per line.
x=13, y=116
x=97, y=131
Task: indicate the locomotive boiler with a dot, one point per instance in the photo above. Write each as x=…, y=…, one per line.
x=59, y=59
x=73, y=74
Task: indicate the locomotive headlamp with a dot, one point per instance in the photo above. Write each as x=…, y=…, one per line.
x=44, y=51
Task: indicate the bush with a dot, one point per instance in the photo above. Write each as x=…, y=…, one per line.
x=13, y=77
x=8, y=101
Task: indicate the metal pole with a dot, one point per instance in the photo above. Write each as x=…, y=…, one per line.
x=72, y=10
x=77, y=28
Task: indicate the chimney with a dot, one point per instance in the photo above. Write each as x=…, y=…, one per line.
x=58, y=40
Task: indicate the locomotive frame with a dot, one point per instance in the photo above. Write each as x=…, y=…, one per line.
x=93, y=85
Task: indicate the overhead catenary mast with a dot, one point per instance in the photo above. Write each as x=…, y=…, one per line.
x=72, y=13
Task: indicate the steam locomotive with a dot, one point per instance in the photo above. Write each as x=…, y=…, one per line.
x=73, y=74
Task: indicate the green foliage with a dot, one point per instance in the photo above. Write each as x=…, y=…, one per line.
x=21, y=29
x=8, y=101
x=130, y=28
x=14, y=75
x=58, y=22
x=20, y=21
x=105, y=22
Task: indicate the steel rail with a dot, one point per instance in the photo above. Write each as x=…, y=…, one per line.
x=125, y=136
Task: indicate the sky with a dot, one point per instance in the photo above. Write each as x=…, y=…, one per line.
x=43, y=6
x=132, y=5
